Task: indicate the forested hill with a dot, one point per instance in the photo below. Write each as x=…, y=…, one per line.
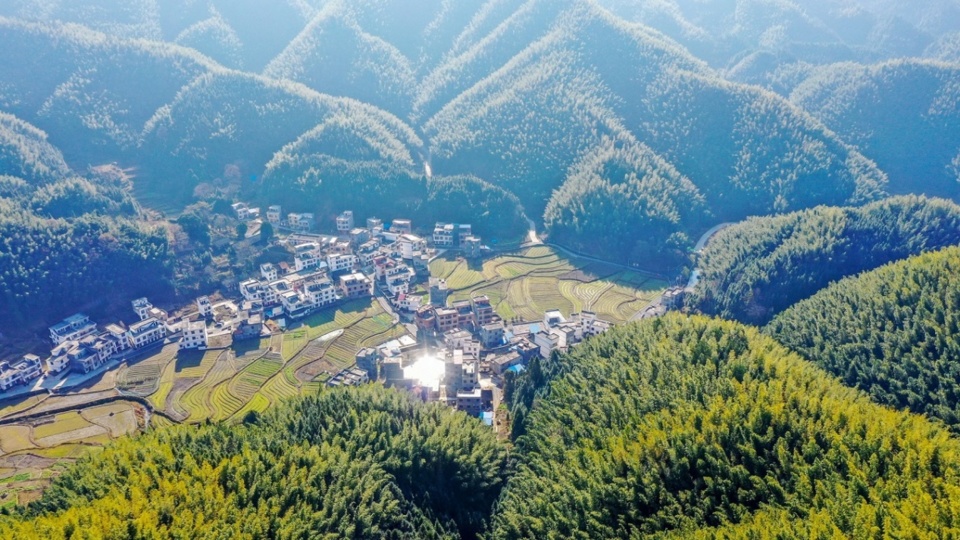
x=892, y=332
x=803, y=31
x=905, y=115
x=694, y=428
x=349, y=463
x=67, y=240
x=673, y=428
x=543, y=102
x=756, y=269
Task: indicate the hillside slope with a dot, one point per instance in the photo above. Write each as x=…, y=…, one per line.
x=348, y=463
x=694, y=428
x=893, y=332
x=905, y=115
x=758, y=268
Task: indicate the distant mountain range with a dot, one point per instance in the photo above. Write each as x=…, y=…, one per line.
x=622, y=131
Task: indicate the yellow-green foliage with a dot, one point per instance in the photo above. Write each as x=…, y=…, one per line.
x=681, y=427
x=348, y=463
x=893, y=332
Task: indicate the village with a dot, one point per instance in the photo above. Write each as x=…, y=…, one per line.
x=456, y=352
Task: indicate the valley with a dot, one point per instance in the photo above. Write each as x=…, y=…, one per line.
x=418, y=269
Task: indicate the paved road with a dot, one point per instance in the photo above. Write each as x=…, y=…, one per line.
x=532, y=238
x=708, y=235
x=695, y=275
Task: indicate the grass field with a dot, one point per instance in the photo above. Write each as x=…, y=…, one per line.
x=525, y=284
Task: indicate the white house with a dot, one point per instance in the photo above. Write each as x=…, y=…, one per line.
x=204, y=306
x=146, y=332
x=307, y=256
x=345, y=221
x=339, y=263
x=195, y=335
x=409, y=302
x=252, y=290
x=142, y=306
x=274, y=215
x=21, y=371
x=321, y=292
x=443, y=235
x=72, y=328
x=411, y=245
x=268, y=271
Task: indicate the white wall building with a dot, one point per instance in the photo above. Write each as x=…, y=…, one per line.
x=72, y=328
x=345, y=222
x=195, y=335
x=146, y=332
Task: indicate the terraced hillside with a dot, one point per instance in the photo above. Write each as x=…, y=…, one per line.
x=525, y=284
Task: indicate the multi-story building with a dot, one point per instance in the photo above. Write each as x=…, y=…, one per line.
x=345, y=222
x=438, y=292
x=470, y=401
x=483, y=310
x=426, y=319
x=204, y=306
x=492, y=334
x=321, y=292
x=401, y=226
x=341, y=263
x=411, y=245
x=56, y=364
x=274, y=215
x=359, y=236
x=72, y=328
x=409, y=302
x=118, y=335
x=269, y=272
x=146, y=332
x=547, y=341
x=9, y=377
x=252, y=290
x=307, y=256
x=22, y=371
x=472, y=247
x=355, y=286
x=501, y=363
x=300, y=222
x=271, y=294
x=374, y=224
x=142, y=307
x=294, y=304
x=398, y=279
x=241, y=210
x=444, y=235
x=249, y=328
x=367, y=361
x=451, y=235
x=465, y=317
x=447, y=319
x=194, y=335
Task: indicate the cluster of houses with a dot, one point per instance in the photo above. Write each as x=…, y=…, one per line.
x=325, y=270
x=81, y=345
x=20, y=372
x=472, y=353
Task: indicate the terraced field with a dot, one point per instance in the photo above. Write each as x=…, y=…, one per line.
x=33, y=452
x=225, y=384
x=525, y=284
